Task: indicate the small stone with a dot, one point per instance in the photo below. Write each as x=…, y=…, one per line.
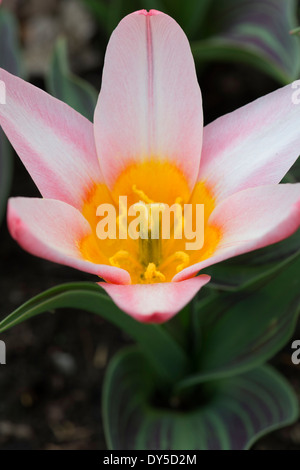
x=64, y=362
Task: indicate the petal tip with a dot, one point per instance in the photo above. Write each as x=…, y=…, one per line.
x=153, y=318
x=14, y=222
x=154, y=303
x=148, y=13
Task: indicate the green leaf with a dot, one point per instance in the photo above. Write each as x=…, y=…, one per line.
x=165, y=354
x=243, y=330
x=99, y=10
x=160, y=5
x=295, y=172
x=193, y=14
x=110, y=14
x=113, y=14
x=295, y=30
x=65, y=86
x=9, y=60
x=230, y=414
x=237, y=273
x=256, y=33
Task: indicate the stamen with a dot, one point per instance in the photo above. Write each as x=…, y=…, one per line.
x=184, y=258
x=150, y=251
x=152, y=274
x=178, y=256
x=143, y=197
x=150, y=244
x=123, y=255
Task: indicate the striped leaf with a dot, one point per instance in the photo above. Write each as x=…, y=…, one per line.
x=165, y=354
x=230, y=414
x=255, y=32
x=108, y=14
x=240, y=331
x=10, y=58
x=65, y=86
x=241, y=271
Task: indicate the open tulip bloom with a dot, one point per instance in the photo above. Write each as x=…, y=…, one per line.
x=147, y=199
x=148, y=144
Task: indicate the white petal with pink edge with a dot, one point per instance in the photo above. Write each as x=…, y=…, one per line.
x=52, y=229
x=55, y=143
x=253, y=146
x=252, y=219
x=150, y=101
x=155, y=303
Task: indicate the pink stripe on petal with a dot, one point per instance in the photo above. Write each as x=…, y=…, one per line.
x=150, y=102
x=55, y=143
x=52, y=229
x=252, y=219
x=155, y=303
x=253, y=146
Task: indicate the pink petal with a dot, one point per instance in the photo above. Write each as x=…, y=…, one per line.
x=252, y=219
x=253, y=146
x=154, y=303
x=52, y=229
x=150, y=102
x=55, y=143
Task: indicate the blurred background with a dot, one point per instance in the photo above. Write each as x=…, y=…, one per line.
x=50, y=388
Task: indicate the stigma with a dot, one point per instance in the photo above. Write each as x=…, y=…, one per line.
x=150, y=237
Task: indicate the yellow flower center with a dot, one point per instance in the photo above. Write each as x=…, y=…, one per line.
x=149, y=186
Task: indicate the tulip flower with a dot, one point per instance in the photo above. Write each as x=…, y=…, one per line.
x=148, y=143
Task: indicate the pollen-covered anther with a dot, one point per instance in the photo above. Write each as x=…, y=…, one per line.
x=184, y=258
x=180, y=256
x=152, y=274
x=121, y=256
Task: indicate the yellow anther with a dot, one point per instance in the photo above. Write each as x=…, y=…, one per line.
x=177, y=256
x=184, y=258
x=118, y=256
x=123, y=255
x=143, y=197
x=151, y=274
